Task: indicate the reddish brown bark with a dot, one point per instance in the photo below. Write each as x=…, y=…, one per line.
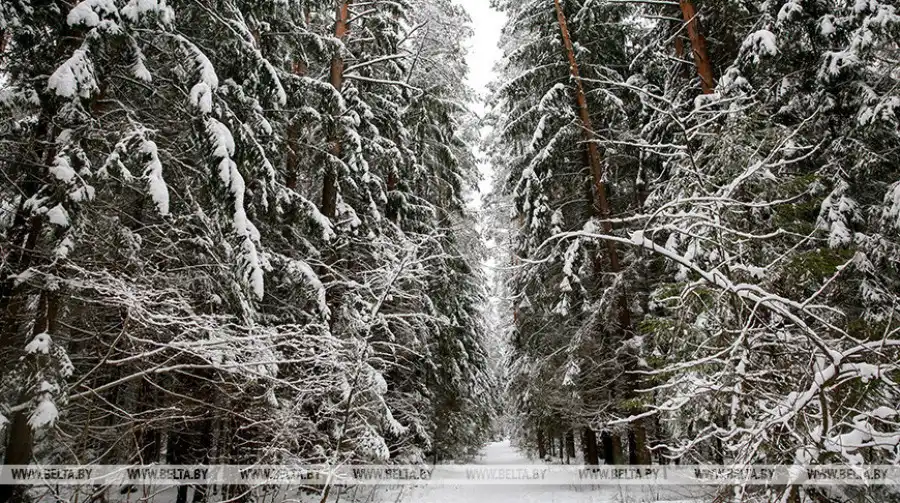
x=341, y=27
x=602, y=203
x=698, y=46
x=588, y=133
x=329, y=185
x=392, y=210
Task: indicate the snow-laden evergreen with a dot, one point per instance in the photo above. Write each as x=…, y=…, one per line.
x=756, y=222
x=238, y=231
x=174, y=286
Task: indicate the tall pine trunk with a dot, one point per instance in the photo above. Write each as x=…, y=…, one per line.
x=24, y=235
x=602, y=202
x=20, y=448
x=589, y=445
x=609, y=453
x=698, y=46
x=542, y=447
x=329, y=184
x=299, y=67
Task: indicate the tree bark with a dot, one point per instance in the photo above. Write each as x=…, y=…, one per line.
x=20, y=447
x=679, y=47
x=18, y=452
x=609, y=456
x=25, y=234
x=570, y=446
x=299, y=67
x=588, y=133
x=393, y=210
x=657, y=442
x=618, y=454
x=542, y=448
x=603, y=206
x=329, y=184
x=23, y=239
x=698, y=46
x=641, y=452
x=591, y=456
x=632, y=448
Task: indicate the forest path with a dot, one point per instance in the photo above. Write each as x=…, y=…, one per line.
x=502, y=453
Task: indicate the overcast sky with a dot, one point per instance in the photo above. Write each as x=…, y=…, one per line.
x=483, y=50
x=483, y=54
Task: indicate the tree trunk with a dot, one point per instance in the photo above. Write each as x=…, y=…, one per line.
x=205, y=448
x=618, y=454
x=603, y=207
x=10, y=306
x=632, y=448
x=4, y=40
x=698, y=46
x=20, y=446
x=299, y=67
x=176, y=454
x=588, y=133
x=542, y=448
x=23, y=236
x=329, y=184
x=641, y=453
x=719, y=453
x=18, y=452
x=392, y=208
x=570, y=446
x=609, y=455
x=291, y=160
x=658, y=443
x=591, y=456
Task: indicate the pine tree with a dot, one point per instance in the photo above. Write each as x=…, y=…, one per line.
x=553, y=97
x=749, y=227
x=191, y=295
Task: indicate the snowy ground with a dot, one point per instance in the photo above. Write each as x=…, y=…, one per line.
x=502, y=453
x=495, y=454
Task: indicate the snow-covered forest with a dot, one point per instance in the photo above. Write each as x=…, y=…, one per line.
x=241, y=231
x=235, y=232
x=702, y=204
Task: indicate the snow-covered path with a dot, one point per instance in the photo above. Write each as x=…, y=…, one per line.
x=502, y=453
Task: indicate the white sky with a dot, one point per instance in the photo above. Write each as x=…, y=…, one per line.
x=483, y=48
x=483, y=54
